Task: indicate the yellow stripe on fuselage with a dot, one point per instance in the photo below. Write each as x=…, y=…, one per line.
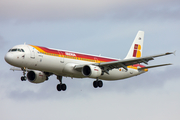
x=132, y=67
x=37, y=48
x=76, y=58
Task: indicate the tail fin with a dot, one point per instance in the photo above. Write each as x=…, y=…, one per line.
x=137, y=46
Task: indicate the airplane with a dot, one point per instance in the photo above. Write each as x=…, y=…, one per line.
x=39, y=63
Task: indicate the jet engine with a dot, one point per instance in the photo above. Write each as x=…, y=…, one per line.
x=36, y=76
x=91, y=71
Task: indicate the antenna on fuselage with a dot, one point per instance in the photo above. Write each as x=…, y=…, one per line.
x=24, y=43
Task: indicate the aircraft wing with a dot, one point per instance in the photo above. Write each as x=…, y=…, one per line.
x=106, y=66
x=126, y=62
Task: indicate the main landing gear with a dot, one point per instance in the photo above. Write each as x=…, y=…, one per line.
x=97, y=83
x=61, y=86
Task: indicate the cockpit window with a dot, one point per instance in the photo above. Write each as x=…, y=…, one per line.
x=22, y=50
x=15, y=49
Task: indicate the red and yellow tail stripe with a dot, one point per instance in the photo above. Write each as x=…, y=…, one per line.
x=136, y=66
x=137, y=50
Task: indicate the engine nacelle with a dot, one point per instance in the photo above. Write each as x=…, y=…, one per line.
x=36, y=76
x=91, y=71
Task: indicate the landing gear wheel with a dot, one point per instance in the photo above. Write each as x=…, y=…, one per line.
x=100, y=83
x=95, y=84
x=63, y=87
x=23, y=78
x=58, y=87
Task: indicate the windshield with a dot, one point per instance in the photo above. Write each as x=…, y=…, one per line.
x=16, y=49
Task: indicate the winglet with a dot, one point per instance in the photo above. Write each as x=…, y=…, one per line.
x=168, y=53
x=174, y=53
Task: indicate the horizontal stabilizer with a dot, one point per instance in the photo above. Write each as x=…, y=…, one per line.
x=154, y=66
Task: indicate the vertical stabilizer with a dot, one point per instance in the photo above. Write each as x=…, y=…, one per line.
x=137, y=46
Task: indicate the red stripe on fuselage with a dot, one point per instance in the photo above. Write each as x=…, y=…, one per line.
x=84, y=56
x=91, y=57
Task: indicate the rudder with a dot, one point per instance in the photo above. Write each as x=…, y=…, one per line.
x=137, y=46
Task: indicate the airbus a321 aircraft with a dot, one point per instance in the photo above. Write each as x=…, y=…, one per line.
x=41, y=62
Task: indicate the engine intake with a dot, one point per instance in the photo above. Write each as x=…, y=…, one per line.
x=91, y=71
x=36, y=76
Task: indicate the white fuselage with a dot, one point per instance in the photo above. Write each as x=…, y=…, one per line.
x=33, y=58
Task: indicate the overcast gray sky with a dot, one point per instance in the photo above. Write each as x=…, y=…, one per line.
x=105, y=27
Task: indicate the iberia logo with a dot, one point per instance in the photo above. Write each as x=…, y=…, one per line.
x=137, y=50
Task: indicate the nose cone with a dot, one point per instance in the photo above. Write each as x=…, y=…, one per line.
x=9, y=58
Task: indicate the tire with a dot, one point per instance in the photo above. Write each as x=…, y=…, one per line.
x=100, y=83
x=63, y=87
x=58, y=87
x=95, y=84
x=23, y=78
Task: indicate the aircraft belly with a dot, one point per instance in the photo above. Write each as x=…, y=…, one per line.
x=115, y=74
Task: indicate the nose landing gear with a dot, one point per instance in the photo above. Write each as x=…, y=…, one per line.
x=23, y=78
